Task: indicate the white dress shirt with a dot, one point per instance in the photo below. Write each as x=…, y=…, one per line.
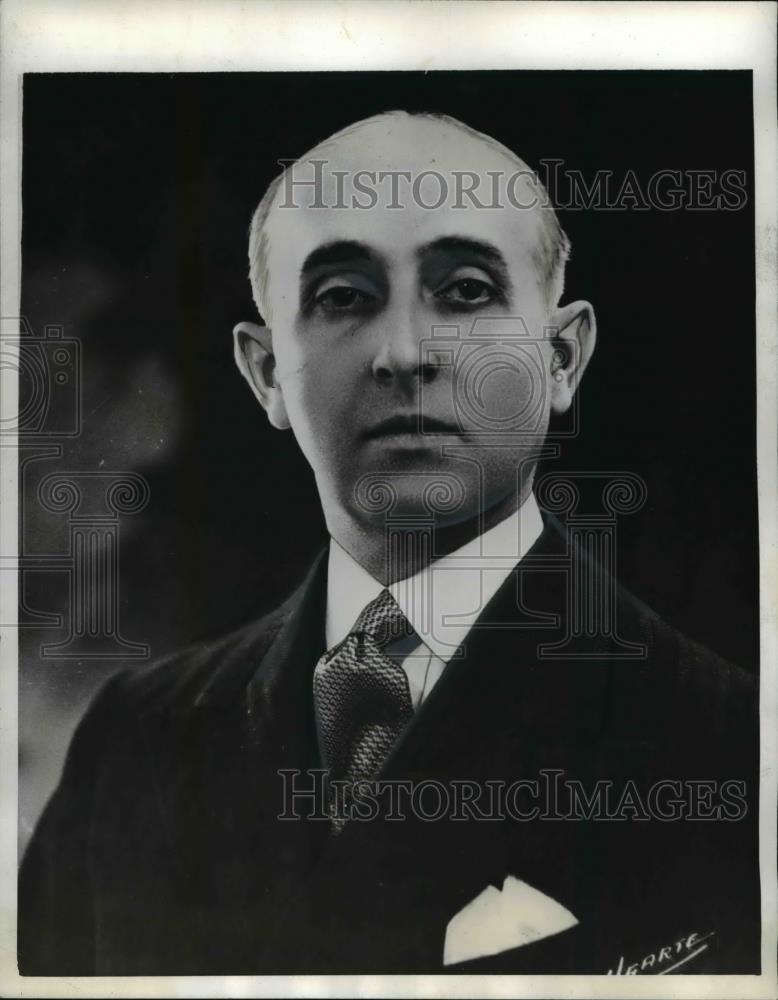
x=442, y=601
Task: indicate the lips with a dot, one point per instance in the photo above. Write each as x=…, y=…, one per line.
x=411, y=425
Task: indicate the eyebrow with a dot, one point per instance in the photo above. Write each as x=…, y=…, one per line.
x=468, y=247
x=337, y=252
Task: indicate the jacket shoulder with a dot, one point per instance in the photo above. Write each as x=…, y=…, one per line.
x=690, y=694
x=201, y=672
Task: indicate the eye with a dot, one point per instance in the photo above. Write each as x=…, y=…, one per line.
x=468, y=291
x=339, y=296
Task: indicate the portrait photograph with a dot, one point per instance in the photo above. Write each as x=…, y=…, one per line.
x=392, y=454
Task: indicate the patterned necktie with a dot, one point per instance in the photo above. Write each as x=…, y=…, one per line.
x=361, y=696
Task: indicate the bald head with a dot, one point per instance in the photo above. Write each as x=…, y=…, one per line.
x=399, y=160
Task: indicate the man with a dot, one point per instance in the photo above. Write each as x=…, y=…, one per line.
x=409, y=272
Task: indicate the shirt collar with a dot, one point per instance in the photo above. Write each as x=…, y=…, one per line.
x=443, y=600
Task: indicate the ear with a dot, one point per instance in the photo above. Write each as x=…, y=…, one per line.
x=575, y=332
x=256, y=363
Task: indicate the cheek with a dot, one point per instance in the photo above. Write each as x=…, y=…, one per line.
x=505, y=390
x=316, y=362
x=318, y=393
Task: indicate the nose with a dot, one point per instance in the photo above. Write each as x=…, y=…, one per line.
x=402, y=357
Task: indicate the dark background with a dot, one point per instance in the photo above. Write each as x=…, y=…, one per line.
x=137, y=194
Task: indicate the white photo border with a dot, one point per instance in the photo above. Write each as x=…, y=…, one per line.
x=208, y=36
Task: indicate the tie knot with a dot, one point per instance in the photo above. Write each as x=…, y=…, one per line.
x=383, y=621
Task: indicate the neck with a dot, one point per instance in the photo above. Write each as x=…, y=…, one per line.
x=367, y=544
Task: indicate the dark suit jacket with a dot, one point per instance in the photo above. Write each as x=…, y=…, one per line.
x=161, y=851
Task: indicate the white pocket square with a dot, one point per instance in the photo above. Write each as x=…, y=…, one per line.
x=498, y=920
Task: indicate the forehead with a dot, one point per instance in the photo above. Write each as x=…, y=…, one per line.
x=397, y=185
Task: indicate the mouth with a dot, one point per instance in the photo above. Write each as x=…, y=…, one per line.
x=410, y=428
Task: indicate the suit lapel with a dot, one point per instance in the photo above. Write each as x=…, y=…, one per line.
x=278, y=695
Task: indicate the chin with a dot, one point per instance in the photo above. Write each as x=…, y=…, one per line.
x=438, y=496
